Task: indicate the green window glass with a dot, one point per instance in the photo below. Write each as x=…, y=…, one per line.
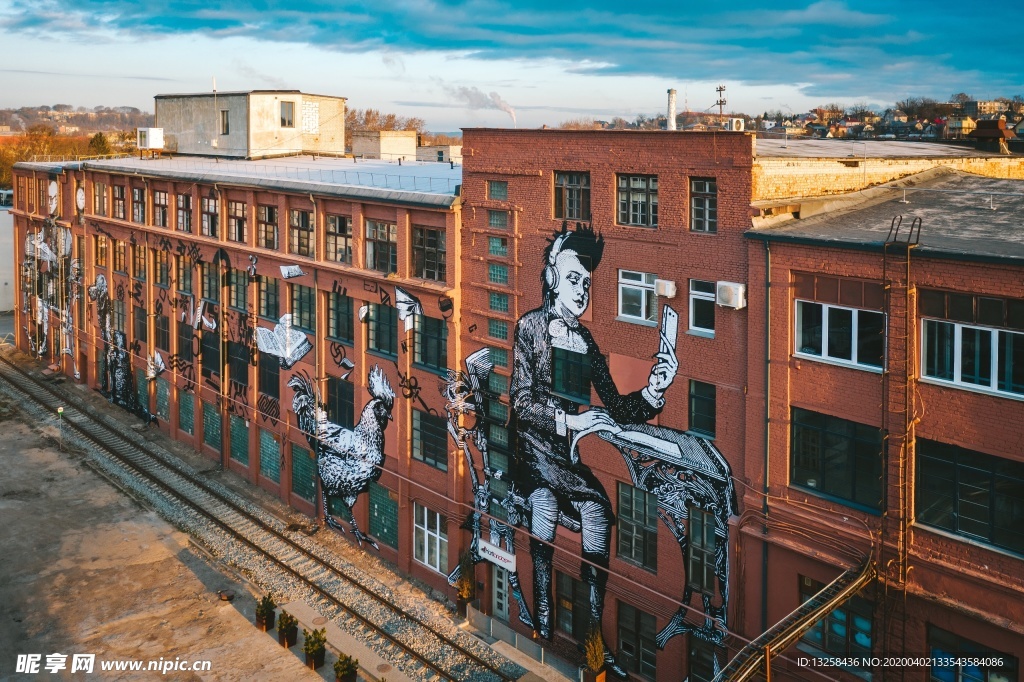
x=142, y=388
x=186, y=412
x=239, y=440
x=303, y=473
x=270, y=456
x=163, y=399
x=211, y=426
x=383, y=515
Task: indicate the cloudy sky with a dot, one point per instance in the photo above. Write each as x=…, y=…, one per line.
x=459, y=64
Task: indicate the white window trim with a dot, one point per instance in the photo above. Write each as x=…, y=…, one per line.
x=957, y=346
x=699, y=295
x=825, y=357
x=428, y=537
x=642, y=286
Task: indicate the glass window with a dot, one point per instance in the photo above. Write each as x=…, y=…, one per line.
x=211, y=282
x=498, y=302
x=383, y=515
x=702, y=306
x=497, y=273
x=430, y=538
x=304, y=308
x=836, y=457
x=186, y=412
x=573, y=606
x=700, y=552
x=120, y=257
x=428, y=253
x=498, y=219
x=300, y=235
x=161, y=268
x=992, y=666
x=101, y=251
x=702, y=408
x=210, y=216
x=340, y=319
x=209, y=348
x=138, y=205
x=185, y=341
x=497, y=190
x=160, y=209
x=637, y=645
x=989, y=359
x=497, y=383
x=303, y=473
x=339, y=239
x=141, y=324
x=845, y=632
x=497, y=329
x=499, y=357
x=570, y=375
x=139, y=253
x=430, y=439
x=238, y=363
x=119, y=208
x=638, y=526
x=341, y=402
x=117, y=315
x=266, y=227
x=287, y=114
x=162, y=324
x=704, y=205
x=383, y=336
x=184, y=223
x=238, y=289
x=431, y=347
x=270, y=456
x=638, y=200
x=381, y=246
x=269, y=296
x=572, y=195
x=237, y=231
x=99, y=196
x=843, y=334
x=183, y=275
x=637, y=299
x=225, y=122
x=497, y=246
x=270, y=375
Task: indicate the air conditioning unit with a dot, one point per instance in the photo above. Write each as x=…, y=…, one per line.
x=150, y=138
x=731, y=295
x=665, y=287
x=736, y=124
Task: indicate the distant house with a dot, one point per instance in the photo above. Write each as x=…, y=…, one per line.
x=894, y=116
x=960, y=127
x=443, y=153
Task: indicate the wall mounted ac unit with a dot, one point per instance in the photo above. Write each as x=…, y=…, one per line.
x=731, y=295
x=150, y=138
x=665, y=287
x=736, y=124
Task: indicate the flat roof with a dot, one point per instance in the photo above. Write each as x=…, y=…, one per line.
x=228, y=93
x=963, y=216
x=832, y=148
x=418, y=183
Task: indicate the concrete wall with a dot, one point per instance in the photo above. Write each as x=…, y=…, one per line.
x=191, y=124
x=448, y=152
x=389, y=145
x=7, y=270
x=266, y=136
x=323, y=124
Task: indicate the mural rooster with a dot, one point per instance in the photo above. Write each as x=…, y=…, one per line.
x=348, y=459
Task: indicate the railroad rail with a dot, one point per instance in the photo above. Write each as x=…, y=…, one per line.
x=418, y=641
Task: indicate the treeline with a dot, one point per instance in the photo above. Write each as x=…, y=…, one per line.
x=42, y=140
x=86, y=120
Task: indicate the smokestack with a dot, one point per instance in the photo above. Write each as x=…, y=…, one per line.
x=671, y=109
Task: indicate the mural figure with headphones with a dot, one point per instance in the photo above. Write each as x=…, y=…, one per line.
x=547, y=421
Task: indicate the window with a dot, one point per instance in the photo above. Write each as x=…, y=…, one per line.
x=638, y=526
x=238, y=439
x=186, y=412
x=21, y=192
x=846, y=632
x=572, y=195
x=139, y=254
x=945, y=645
x=138, y=205
x=570, y=375
x=238, y=363
x=341, y=403
x=225, y=122
x=430, y=538
x=381, y=246
x=184, y=223
x=304, y=308
x=497, y=246
x=498, y=302
x=383, y=329
x=339, y=239
x=211, y=282
x=99, y=196
x=841, y=334
x=210, y=353
x=160, y=209
x=119, y=210
x=120, y=257
x=499, y=357
x=702, y=306
x=430, y=439
x=340, y=319
x=270, y=456
x=237, y=231
x=497, y=274
x=383, y=515
x=498, y=219
x=638, y=200
x=637, y=299
x=210, y=216
x=702, y=408
x=979, y=357
x=162, y=324
x=270, y=376
x=184, y=275
x=702, y=660
x=498, y=385
x=238, y=289
x=428, y=253
x=268, y=293
x=300, y=235
x=972, y=494
x=141, y=324
x=704, y=205
x=836, y=457
x=101, y=251
x=117, y=315
x=185, y=341
x=303, y=473
x=287, y=114
x=572, y=606
x=266, y=224
x=431, y=347
x=637, y=646
x=497, y=190
x=497, y=329
x=700, y=552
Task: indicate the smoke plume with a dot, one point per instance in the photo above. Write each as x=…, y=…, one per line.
x=474, y=98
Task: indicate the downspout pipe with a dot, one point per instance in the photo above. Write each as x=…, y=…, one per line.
x=767, y=423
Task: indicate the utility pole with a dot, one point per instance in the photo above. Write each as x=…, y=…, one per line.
x=721, y=102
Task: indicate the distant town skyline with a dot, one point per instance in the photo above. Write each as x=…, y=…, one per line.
x=489, y=62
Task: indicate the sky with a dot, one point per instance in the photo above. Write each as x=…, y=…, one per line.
x=497, y=62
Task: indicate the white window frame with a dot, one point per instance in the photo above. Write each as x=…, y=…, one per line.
x=993, y=387
x=701, y=296
x=854, y=330
x=430, y=539
x=644, y=283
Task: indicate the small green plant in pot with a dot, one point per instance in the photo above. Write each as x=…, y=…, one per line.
x=314, y=645
x=593, y=649
x=265, y=613
x=345, y=668
x=287, y=629
x=466, y=584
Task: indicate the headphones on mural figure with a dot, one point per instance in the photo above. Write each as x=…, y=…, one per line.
x=550, y=271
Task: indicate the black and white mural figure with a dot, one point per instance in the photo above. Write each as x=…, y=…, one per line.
x=408, y=307
x=119, y=367
x=285, y=341
x=348, y=460
x=99, y=294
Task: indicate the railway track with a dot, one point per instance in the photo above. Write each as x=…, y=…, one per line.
x=414, y=642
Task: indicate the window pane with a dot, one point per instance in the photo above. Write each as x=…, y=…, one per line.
x=840, y=333
x=1011, y=362
x=938, y=352
x=870, y=338
x=976, y=356
x=809, y=321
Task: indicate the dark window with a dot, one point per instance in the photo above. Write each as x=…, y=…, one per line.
x=638, y=526
x=340, y=318
x=845, y=632
x=184, y=341
x=428, y=253
x=638, y=200
x=570, y=375
x=702, y=306
x=141, y=324
x=703, y=205
x=303, y=473
x=160, y=208
x=287, y=114
x=837, y=457
x=497, y=329
x=162, y=268
x=210, y=358
x=978, y=348
x=210, y=216
x=162, y=325
x=498, y=302
x=572, y=195
x=995, y=666
x=339, y=238
x=498, y=219
x=225, y=122
x=700, y=553
x=430, y=439
x=117, y=315
x=211, y=282
x=341, y=404
x=637, y=645
x=99, y=196
x=269, y=297
x=184, y=275
x=139, y=254
x=497, y=273
x=497, y=246
x=101, y=252
x=381, y=246
x=138, y=205
x=499, y=356
x=270, y=375
x=702, y=408
x=383, y=329
x=702, y=659
x=383, y=515
x=238, y=363
x=184, y=213
x=843, y=334
x=270, y=456
x=497, y=190
x=573, y=606
x=431, y=342
x=119, y=209
x=304, y=307
x=971, y=494
x=120, y=257
x=237, y=231
x=266, y=225
x=300, y=234
x=238, y=289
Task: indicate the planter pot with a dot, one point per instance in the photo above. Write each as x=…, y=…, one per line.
x=266, y=623
x=314, y=661
x=590, y=676
x=351, y=677
x=460, y=606
x=288, y=637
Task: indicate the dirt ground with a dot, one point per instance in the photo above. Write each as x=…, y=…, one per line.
x=85, y=570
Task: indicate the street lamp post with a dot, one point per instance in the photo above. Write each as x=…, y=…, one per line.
x=60, y=426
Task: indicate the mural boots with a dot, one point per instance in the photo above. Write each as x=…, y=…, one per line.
x=597, y=579
x=542, y=555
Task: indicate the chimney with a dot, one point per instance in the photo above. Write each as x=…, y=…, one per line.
x=671, y=110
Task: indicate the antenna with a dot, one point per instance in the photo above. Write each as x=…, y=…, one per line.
x=721, y=102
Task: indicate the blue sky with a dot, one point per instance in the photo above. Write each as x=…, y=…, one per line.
x=460, y=64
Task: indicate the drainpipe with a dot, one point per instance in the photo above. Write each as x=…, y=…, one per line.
x=767, y=423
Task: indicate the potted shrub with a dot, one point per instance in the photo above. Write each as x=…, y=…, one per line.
x=345, y=668
x=314, y=645
x=466, y=584
x=287, y=630
x=593, y=649
x=265, y=613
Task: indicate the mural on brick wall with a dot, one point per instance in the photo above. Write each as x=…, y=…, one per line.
x=556, y=362
x=348, y=460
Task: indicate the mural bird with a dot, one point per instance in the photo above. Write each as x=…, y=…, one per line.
x=348, y=460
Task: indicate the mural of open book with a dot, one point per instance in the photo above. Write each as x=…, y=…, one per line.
x=285, y=341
